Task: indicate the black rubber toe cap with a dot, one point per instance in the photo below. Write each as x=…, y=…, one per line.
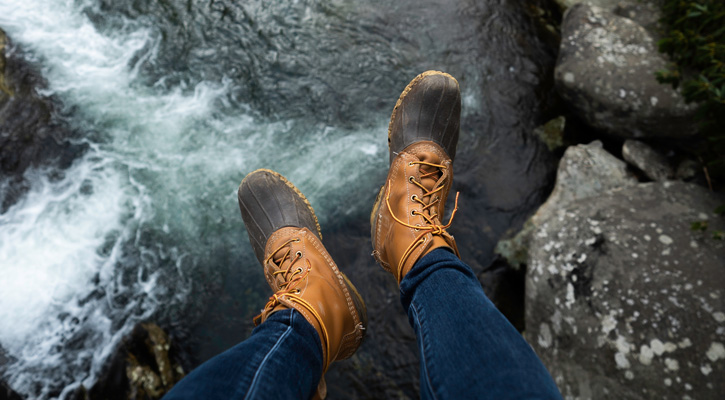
x=269, y=202
x=429, y=109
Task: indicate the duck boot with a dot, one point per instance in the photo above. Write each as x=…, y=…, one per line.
x=422, y=138
x=286, y=239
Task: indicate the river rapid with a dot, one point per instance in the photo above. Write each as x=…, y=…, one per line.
x=178, y=100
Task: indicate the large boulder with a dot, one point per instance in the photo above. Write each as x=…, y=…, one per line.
x=624, y=300
x=606, y=73
x=646, y=13
x=585, y=171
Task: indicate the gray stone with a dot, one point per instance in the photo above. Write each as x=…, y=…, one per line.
x=687, y=169
x=606, y=73
x=584, y=171
x=605, y=4
x=646, y=13
x=648, y=160
x=624, y=300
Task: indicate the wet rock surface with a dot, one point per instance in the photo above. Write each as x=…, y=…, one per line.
x=31, y=134
x=648, y=160
x=605, y=72
x=8, y=394
x=624, y=300
x=146, y=365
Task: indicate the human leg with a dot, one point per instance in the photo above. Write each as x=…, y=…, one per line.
x=282, y=359
x=315, y=316
x=467, y=348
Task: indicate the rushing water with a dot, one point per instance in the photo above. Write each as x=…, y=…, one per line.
x=178, y=100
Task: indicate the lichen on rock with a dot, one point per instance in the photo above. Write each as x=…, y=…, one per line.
x=606, y=73
x=623, y=299
x=584, y=171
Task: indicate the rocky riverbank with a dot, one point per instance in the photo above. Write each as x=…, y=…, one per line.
x=623, y=298
x=624, y=261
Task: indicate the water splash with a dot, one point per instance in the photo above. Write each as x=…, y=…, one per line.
x=126, y=232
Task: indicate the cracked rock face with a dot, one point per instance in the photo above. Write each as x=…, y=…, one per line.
x=624, y=300
x=606, y=72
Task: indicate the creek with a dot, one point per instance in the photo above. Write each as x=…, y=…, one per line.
x=178, y=100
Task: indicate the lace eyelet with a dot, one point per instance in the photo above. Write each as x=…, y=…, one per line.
x=413, y=197
x=410, y=179
x=297, y=291
x=410, y=164
x=299, y=270
x=298, y=254
x=413, y=212
x=417, y=229
x=297, y=240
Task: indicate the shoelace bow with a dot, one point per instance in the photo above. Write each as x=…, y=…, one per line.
x=292, y=277
x=431, y=227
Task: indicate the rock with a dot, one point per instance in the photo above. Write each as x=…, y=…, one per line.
x=5, y=91
x=552, y=133
x=584, y=171
x=648, y=160
x=606, y=73
x=605, y=4
x=145, y=366
x=687, y=169
x=8, y=394
x=624, y=300
x=646, y=13
x=31, y=134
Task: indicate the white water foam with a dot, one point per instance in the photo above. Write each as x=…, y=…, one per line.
x=60, y=244
x=163, y=160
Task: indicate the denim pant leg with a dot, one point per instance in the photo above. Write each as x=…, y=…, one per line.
x=281, y=360
x=468, y=349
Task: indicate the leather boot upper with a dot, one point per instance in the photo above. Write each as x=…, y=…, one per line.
x=407, y=216
x=285, y=236
x=303, y=276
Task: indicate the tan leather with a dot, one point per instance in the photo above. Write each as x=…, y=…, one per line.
x=337, y=311
x=391, y=239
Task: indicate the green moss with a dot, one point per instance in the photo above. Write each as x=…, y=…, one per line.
x=695, y=40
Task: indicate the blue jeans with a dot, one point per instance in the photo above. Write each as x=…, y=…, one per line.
x=467, y=349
